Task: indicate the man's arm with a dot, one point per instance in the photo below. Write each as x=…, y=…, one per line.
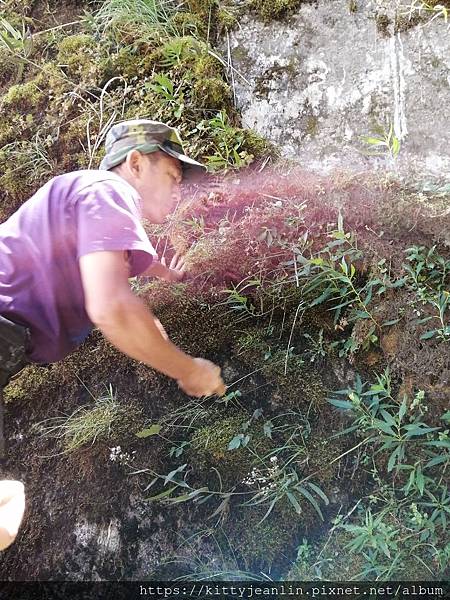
x=129, y=325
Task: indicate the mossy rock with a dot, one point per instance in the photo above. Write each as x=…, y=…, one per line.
x=299, y=384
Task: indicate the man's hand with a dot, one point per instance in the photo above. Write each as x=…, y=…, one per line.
x=176, y=269
x=203, y=380
x=174, y=273
x=12, y=507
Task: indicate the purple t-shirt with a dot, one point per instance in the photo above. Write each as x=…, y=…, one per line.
x=40, y=281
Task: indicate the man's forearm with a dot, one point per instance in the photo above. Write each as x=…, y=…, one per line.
x=130, y=326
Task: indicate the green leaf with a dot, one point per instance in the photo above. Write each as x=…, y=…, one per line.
x=393, y=459
x=419, y=429
x=319, y=492
x=152, y=430
x=428, y=334
x=420, y=481
x=189, y=496
x=171, y=475
x=388, y=418
x=439, y=443
x=437, y=460
x=402, y=411
x=311, y=499
x=343, y=404
x=162, y=494
x=384, y=427
x=323, y=296
x=293, y=500
x=268, y=429
x=373, y=141
x=392, y=322
x=236, y=442
x=269, y=510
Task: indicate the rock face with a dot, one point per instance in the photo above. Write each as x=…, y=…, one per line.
x=318, y=81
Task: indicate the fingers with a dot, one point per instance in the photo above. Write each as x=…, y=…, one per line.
x=177, y=263
x=162, y=331
x=221, y=389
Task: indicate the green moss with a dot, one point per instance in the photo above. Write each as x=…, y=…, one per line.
x=226, y=19
x=23, y=167
x=312, y=125
x=275, y=9
x=383, y=23
x=203, y=8
x=32, y=384
x=321, y=453
x=257, y=145
x=353, y=6
x=334, y=559
x=260, y=544
x=209, y=448
x=188, y=23
x=24, y=97
x=82, y=59
x=178, y=307
x=212, y=93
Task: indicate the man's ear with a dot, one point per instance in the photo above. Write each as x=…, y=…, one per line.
x=133, y=162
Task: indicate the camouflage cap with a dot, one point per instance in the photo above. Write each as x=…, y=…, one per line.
x=145, y=136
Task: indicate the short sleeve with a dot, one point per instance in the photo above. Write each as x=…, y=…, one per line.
x=108, y=220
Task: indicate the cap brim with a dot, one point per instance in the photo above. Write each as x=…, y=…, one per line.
x=188, y=163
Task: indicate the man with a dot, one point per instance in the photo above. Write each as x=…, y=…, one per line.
x=66, y=256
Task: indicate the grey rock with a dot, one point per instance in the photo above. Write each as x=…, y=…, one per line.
x=320, y=80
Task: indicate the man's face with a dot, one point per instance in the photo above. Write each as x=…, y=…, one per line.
x=159, y=186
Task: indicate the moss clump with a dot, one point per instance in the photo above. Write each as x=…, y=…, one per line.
x=23, y=167
x=226, y=19
x=383, y=24
x=321, y=452
x=212, y=93
x=260, y=544
x=22, y=107
x=257, y=145
x=188, y=23
x=209, y=448
x=23, y=97
x=203, y=8
x=33, y=384
x=275, y=9
x=83, y=59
